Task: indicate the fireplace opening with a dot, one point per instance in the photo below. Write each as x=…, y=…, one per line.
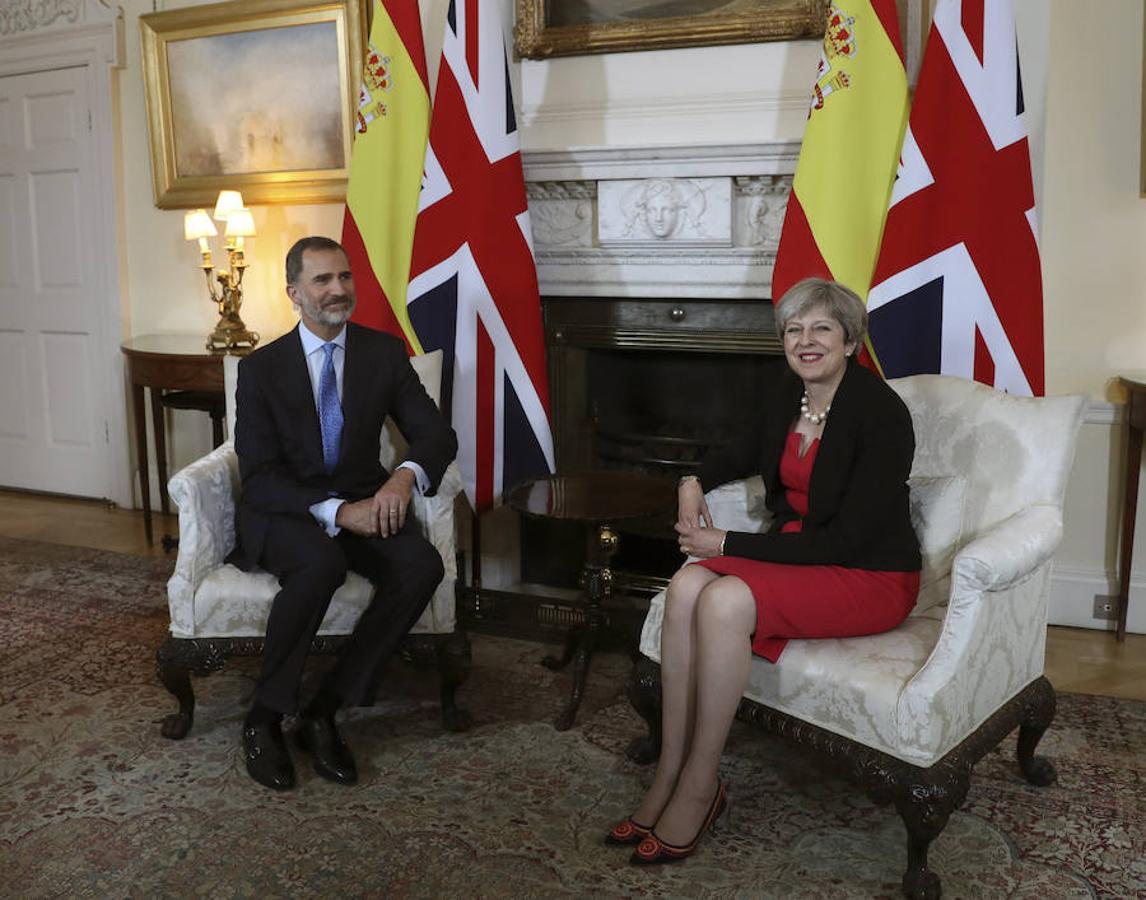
x=660, y=412
x=649, y=386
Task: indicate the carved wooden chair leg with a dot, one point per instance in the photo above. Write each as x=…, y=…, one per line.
x=925, y=804
x=1037, y=713
x=645, y=697
x=454, y=664
x=173, y=664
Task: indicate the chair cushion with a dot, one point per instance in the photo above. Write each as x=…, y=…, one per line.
x=849, y=686
x=937, y=516
x=234, y=603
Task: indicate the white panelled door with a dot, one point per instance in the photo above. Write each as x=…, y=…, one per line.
x=53, y=399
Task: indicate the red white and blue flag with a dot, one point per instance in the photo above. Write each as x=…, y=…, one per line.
x=473, y=283
x=958, y=285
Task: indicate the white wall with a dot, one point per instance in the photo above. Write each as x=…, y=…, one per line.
x=1093, y=224
x=1094, y=221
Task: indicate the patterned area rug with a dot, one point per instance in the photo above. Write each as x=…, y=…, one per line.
x=94, y=803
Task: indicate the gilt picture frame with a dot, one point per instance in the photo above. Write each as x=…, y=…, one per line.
x=546, y=28
x=252, y=95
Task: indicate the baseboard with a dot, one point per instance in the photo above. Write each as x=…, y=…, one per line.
x=1072, y=594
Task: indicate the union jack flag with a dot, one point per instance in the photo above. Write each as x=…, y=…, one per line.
x=473, y=283
x=958, y=286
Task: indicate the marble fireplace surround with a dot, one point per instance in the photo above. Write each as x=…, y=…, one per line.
x=687, y=221
x=637, y=249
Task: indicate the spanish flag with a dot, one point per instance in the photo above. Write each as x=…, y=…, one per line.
x=850, y=151
x=393, y=125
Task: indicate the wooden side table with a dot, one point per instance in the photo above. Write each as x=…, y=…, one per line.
x=597, y=499
x=1135, y=384
x=180, y=364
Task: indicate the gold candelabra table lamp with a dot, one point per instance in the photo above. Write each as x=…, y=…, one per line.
x=230, y=334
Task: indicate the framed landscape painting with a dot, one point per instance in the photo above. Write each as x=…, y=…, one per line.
x=254, y=95
x=568, y=27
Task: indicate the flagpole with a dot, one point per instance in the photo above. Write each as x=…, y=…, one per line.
x=475, y=551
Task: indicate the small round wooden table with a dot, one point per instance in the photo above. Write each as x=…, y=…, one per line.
x=181, y=374
x=598, y=499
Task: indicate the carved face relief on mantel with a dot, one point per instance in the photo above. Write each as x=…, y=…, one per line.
x=657, y=211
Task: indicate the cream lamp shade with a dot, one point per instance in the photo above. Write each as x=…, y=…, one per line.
x=198, y=225
x=240, y=223
x=228, y=202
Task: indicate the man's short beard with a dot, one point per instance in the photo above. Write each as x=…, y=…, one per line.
x=333, y=317
x=336, y=316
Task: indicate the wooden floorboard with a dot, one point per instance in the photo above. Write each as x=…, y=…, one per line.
x=1080, y=660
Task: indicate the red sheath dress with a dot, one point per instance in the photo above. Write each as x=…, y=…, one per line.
x=815, y=601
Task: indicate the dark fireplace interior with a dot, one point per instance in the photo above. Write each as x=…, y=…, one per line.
x=660, y=411
x=647, y=385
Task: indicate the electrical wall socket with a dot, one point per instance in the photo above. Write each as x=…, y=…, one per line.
x=1105, y=606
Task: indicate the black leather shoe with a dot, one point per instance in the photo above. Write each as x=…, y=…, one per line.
x=267, y=757
x=332, y=757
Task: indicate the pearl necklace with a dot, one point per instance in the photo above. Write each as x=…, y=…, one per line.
x=814, y=418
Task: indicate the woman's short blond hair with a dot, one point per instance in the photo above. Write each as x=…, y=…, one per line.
x=842, y=303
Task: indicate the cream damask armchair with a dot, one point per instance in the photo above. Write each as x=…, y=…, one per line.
x=911, y=711
x=218, y=611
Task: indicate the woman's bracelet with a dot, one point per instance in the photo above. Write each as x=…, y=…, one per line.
x=722, y=540
x=685, y=478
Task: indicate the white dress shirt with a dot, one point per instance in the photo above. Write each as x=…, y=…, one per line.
x=325, y=512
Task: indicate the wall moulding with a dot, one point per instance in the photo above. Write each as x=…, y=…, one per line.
x=53, y=33
x=680, y=160
x=19, y=16
x=685, y=111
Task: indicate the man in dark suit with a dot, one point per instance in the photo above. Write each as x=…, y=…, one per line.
x=316, y=501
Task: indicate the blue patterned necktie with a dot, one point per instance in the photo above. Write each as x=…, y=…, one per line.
x=329, y=410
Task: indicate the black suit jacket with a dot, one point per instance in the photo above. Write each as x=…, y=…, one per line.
x=858, y=504
x=279, y=444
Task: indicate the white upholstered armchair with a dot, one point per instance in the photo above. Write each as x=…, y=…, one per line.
x=218, y=611
x=909, y=712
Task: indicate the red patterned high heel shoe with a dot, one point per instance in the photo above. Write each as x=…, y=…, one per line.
x=627, y=832
x=653, y=851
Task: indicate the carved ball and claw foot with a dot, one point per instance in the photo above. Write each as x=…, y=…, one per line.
x=175, y=661
x=1036, y=716
x=454, y=664
x=922, y=884
x=645, y=697
x=925, y=799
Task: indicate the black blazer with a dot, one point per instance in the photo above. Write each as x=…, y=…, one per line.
x=858, y=505
x=279, y=444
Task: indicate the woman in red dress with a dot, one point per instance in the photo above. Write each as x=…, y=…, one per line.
x=834, y=445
